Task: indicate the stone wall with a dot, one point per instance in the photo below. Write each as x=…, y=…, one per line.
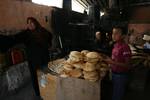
x=139, y=24
x=137, y=32
x=14, y=13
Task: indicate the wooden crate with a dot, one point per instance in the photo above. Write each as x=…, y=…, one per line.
x=73, y=89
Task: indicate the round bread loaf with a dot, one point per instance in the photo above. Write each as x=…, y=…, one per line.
x=90, y=74
x=76, y=73
x=93, y=78
x=79, y=65
x=84, y=52
x=93, y=57
x=68, y=67
x=75, y=56
x=89, y=66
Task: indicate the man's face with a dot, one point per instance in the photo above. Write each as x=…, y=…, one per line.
x=30, y=25
x=116, y=36
x=98, y=35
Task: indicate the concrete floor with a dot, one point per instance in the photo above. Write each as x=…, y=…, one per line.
x=138, y=94
x=138, y=88
x=27, y=93
x=24, y=93
x=49, y=93
x=131, y=94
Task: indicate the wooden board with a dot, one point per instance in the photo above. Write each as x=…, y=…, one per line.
x=77, y=89
x=49, y=92
x=70, y=89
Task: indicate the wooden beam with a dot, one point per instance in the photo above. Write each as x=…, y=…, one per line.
x=100, y=3
x=107, y=3
x=104, y=2
x=92, y=1
x=88, y=2
x=140, y=4
x=84, y=1
x=80, y=2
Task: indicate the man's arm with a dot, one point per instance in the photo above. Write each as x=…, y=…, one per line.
x=21, y=37
x=126, y=53
x=112, y=62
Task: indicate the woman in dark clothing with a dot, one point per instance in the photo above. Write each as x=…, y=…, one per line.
x=37, y=41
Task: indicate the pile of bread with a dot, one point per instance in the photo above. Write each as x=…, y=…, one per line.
x=86, y=65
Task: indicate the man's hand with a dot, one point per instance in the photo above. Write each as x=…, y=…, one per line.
x=109, y=61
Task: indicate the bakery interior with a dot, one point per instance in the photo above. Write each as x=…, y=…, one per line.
x=76, y=70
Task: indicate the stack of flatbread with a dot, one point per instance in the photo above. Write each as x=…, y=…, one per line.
x=85, y=64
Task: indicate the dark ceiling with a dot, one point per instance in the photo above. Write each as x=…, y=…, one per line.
x=113, y=3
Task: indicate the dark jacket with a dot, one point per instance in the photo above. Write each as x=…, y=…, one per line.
x=5, y=43
x=103, y=47
x=37, y=44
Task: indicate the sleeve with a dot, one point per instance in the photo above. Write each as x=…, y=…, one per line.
x=6, y=42
x=21, y=37
x=49, y=35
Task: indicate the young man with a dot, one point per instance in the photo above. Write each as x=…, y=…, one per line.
x=119, y=62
